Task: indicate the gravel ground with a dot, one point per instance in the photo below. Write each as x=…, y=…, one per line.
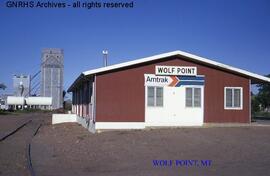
x=68, y=149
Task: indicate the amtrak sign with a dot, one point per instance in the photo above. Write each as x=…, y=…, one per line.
x=175, y=70
x=172, y=81
x=153, y=80
x=173, y=76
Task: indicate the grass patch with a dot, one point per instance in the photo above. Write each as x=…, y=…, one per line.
x=3, y=112
x=261, y=115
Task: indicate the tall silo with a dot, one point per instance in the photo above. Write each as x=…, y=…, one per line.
x=21, y=85
x=52, y=68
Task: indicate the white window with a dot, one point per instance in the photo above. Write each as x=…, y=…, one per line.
x=155, y=96
x=233, y=97
x=193, y=97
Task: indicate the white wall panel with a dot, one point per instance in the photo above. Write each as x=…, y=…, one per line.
x=174, y=112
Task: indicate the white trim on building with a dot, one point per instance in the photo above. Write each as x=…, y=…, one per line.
x=233, y=107
x=119, y=125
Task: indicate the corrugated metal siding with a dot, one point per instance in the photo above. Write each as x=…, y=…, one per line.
x=120, y=93
x=120, y=96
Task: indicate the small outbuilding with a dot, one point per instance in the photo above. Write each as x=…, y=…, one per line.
x=170, y=89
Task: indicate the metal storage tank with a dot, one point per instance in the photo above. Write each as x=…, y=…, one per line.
x=11, y=100
x=47, y=101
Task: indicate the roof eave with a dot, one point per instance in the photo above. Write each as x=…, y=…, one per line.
x=73, y=85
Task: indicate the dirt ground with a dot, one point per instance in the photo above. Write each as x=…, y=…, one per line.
x=9, y=122
x=69, y=149
x=13, y=150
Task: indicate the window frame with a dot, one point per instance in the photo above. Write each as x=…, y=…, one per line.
x=155, y=97
x=233, y=106
x=192, y=97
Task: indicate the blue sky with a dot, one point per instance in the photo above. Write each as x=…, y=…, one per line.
x=232, y=32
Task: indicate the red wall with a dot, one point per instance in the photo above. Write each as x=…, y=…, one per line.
x=120, y=93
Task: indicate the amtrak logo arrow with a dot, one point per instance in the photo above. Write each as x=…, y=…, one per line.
x=174, y=82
